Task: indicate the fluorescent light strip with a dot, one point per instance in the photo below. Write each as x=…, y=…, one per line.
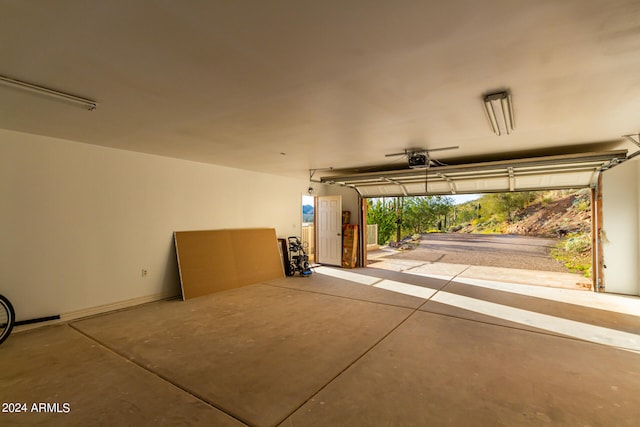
x=507, y=112
x=492, y=117
x=86, y=103
x=501, y=100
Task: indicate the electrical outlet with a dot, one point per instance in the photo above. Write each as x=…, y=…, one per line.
x=145, y=272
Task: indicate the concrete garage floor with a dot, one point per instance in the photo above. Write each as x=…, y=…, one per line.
x=363, y=347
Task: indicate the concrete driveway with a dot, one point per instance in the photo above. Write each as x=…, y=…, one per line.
x=505, y=258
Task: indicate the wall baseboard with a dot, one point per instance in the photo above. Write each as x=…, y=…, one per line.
x=102, y=309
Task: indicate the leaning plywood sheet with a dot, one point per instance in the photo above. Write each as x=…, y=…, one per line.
x=215, y=260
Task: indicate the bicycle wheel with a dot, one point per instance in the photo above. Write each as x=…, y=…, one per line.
x=7, y=318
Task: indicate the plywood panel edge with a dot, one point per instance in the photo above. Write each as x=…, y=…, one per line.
x=175, y=242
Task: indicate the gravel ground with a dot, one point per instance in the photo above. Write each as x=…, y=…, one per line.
x=494, y=250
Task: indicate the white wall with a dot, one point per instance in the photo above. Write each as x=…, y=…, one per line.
x=621, y=225
x=78, y=222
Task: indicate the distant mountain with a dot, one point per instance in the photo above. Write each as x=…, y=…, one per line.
x=307, y=213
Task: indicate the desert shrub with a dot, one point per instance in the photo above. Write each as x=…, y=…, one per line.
x=582, y=205
x=545, y=200
x=578, y=243
x=574, y=253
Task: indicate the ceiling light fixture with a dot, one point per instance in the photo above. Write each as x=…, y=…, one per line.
x=499, y=110
x=83, y=102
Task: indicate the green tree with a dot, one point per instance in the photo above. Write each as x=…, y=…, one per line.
x=418, y=215
x=382, y=212
x=408, y=215
x=466, y=212
x=443, y=208
x=425, y=212
x=502, y=207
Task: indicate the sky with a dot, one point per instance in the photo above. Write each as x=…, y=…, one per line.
x=457, y=198
x=462, y=198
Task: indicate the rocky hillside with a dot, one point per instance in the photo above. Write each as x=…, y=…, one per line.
x=550, y=214
x=554, y=214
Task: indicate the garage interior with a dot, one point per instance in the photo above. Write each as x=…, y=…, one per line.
x=123, y=123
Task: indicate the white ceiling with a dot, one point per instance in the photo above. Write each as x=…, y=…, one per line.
x=329, y=83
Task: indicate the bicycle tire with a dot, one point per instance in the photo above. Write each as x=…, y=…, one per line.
x=7, y=318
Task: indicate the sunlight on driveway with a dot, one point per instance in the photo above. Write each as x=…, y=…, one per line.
x=579, y=330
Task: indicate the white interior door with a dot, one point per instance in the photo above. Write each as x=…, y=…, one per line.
x=329, y=230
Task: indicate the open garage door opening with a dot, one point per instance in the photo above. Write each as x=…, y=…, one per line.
x=535, y=237
x=514, y=183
